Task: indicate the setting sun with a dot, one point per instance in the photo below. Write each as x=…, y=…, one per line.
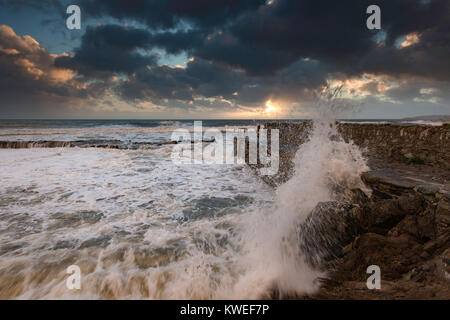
x=270, y=107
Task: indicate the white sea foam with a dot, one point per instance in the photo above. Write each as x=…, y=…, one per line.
x=366, y=122
x=425, y=122
x=139, y=202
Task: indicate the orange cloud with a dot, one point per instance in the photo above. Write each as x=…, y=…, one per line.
x=33, y=61
x=411, y=39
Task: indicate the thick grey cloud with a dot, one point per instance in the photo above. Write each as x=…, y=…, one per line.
x=262, y=39
x=168, y=14
x=248, y=51
x=107, y=49
x=202, y=78
x=46, y=5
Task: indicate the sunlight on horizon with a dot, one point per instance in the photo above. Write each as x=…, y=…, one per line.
x=270, y=107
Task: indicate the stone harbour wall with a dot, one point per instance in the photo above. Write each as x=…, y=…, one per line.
x=416, y=144
x=420, y=144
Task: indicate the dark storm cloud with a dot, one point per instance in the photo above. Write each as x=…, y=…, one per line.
x=201, y=78
x=262, y=39
x=335, y=32
x=247, y=51
x=429, y=57
x=114, y=48
x=167, y=14
x=178, y=42
x=46, y=5
x=108, y=49
x=269, y=38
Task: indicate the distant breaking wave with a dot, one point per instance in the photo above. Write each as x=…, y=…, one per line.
x=426, y=123
x=105, y=144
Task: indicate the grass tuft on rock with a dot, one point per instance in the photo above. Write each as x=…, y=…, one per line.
x=414, y=160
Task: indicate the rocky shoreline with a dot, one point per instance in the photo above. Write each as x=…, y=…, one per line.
x=403, y=227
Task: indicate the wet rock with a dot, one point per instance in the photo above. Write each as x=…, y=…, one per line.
x=421, y=227
x=166, y=143
x=382, y=215
x=443, y=217
x=427, y=189
x=355, y=196
x=326, y=231
x=426, y=225
x=430, y=246
x=387, y=183
x=445, y=256
x=33, y=144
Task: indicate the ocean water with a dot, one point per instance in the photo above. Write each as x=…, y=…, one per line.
x=140, y=226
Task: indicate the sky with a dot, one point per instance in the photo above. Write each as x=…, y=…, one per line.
x=223, y=59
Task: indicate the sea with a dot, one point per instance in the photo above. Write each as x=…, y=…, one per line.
x=106, y=197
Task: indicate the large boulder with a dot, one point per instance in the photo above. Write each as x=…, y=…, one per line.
x=382, y=215
x=327, y=229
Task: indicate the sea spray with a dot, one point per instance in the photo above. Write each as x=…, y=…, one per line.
x=324, y=166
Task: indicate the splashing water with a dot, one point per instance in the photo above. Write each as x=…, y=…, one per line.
x=325, y=165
